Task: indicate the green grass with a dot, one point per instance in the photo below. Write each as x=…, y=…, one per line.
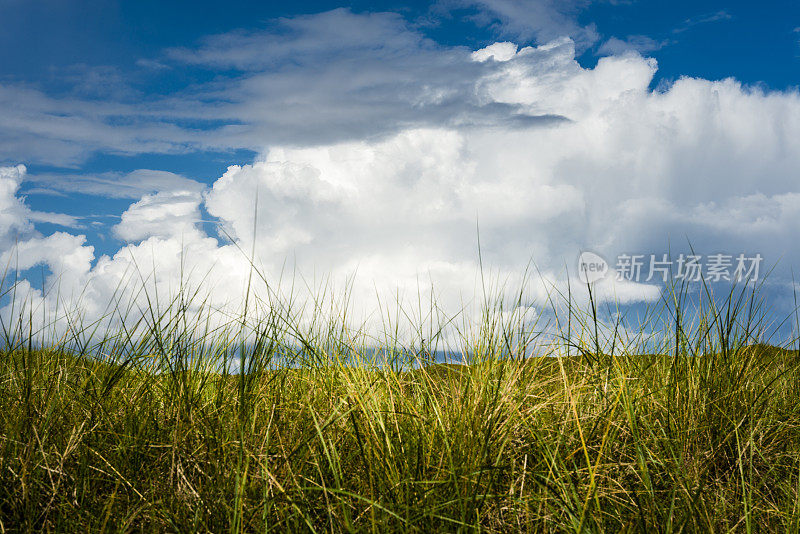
x=702, y=433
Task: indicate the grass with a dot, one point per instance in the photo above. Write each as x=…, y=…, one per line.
x=690, y=422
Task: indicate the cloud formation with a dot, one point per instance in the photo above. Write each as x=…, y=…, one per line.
x=383, y=154
x=132, y=185
x=311, y=79
x=167, y=214
x=14, y=214
x=537, y=21
x=633, y=43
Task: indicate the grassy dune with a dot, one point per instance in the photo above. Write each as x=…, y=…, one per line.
x=704, y=435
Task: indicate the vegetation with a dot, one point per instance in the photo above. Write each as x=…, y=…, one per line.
x=689, y=424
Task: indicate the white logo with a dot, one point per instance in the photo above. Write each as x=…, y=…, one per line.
x=591, y=267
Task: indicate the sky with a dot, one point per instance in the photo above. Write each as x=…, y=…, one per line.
x=376, y=144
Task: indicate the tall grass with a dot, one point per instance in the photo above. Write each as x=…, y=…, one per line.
x=161, y=419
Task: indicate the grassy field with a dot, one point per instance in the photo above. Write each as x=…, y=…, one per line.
x=704, y=435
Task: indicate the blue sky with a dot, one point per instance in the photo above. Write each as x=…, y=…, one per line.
x=104, y=50
x=755, y=42
x=626, y=127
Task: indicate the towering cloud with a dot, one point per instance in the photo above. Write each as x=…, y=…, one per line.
x=544, y=158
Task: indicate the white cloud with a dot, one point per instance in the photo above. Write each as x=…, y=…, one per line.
x=132, y=185
x=496, y=52
x=629, y=170
x=633, y=171
x=633, y=43
x=41, y=128
x=22, y=247
x=165, y=214
x=60, y=219
x=313, y=79
x=14, y=222
x=63, y=253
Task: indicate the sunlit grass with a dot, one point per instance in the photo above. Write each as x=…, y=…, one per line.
x=280, y=420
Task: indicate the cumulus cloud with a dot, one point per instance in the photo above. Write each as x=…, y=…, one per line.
x=497, y=52
x=21, y=246
x=164, y=214
x=14, y=214
x=61, y=252
x=627, y=169
x=167, y=254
